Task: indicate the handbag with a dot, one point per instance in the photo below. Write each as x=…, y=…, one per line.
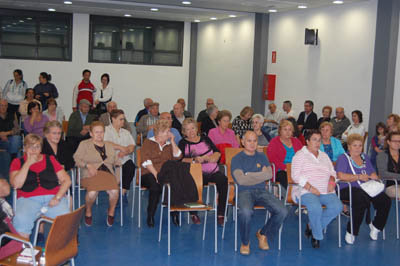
x=371, y=187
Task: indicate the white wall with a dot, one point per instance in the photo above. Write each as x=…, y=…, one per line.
x=396, y=96
x=337, y=72
x=225, y=63
x=131, y=83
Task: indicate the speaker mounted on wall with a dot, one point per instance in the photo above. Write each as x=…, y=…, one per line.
x=311, y=37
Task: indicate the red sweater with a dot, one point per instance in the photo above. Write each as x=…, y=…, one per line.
x=85, y=91
x=276, y=152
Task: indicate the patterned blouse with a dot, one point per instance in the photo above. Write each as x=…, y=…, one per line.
x=240, y=126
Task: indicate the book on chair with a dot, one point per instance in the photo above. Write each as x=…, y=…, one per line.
x=194, y=205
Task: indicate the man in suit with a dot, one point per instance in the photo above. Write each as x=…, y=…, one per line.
x=307, y=119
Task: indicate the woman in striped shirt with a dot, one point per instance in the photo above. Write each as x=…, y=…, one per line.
x=313, y=171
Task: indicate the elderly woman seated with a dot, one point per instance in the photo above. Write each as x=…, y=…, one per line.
x=35, y=121
x=211, y=120
x=356, y=168
x=41, y=184
x=97, y=158
x=257, y=122
x=313, y=171
x=389, y=164
x=200, y=149
x=155, y=152
x=281, y=150
x=330, y=145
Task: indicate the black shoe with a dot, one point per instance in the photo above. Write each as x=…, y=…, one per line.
x=314, y=242
x=308, y=231
x=175, y=218
x=150, y=221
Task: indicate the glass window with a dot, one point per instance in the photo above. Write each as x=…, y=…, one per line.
x=35, y=35
x=135, y=41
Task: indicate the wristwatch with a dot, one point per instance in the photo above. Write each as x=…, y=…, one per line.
x=58, y=198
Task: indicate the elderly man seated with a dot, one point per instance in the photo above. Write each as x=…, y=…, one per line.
x=146, y=102
x=10, y=140
x=272, y=120
x=203, y=113
x=79, y=124
x=340, y=123
x=147, y=121
x=178, y=117
x=167, y=116
x=250, y=170
x=106, y=119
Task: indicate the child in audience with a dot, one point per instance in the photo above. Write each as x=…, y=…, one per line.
x=378, y=142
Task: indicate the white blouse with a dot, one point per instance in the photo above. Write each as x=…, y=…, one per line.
x=123, y=138
x=353, y=129
x=107, y=94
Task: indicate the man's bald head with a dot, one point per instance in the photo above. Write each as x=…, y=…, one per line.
x=272, y=107
x=339, y=112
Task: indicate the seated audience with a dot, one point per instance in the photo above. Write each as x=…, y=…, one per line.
x=10, y=140
x=83, y=90
x=103, y=95
x=79, y=124
x=14, y=91
x=388, y=164
x=210, y=121
x=356, y=168
x=307, y=119
x=200, y=149
x=124, y=146
x=45, y=89
x=146, y=102
x=313, y=171
x=41, y=184
x=183, y=103
x=222, y=136
x=257, y=121
x=287, y=108
x=242, y=122
x=393, y=123
x=155, y=152
x=281, y=150
x=203, y=113
x=148, y=121
x=35, y=121
x=54, y=145
x=54, y=112
x=330, y=145
x=326, y=115
x=378, y=142
x=23, y=106
x=250, y=169
x=97, y=158
x=357, y=127
x=106, y=117
x=178, y=117
x=272, y=120
x=167, y=116
x=340, y=123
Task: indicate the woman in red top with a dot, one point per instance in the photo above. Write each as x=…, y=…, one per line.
x=41, y=184
x=281, y=150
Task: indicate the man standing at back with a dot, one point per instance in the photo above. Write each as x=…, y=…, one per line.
x=250, y=169
x=83, y=90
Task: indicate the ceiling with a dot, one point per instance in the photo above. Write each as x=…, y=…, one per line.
x=201, y=10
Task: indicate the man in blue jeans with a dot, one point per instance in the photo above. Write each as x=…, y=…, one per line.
x=250, y=170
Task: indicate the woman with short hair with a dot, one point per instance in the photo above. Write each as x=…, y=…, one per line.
x=23, y=106
x=54, y=112
x=35, y=121
x=257, y=122
x=210, y=121
x=357, y=127
x=326, y=115
x=242, y=122
x=329, y=144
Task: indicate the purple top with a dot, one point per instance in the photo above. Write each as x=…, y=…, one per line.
x=342, y=165
x=37, y=127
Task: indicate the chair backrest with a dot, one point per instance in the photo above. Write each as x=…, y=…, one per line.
x=65, y=126
x=229, y=154
x=230, y=125
x=62, y=241
x=139, y=139
x=290, y=181
x=138, y=163
x=365, y=139
x=199, y=127
x=197, y=174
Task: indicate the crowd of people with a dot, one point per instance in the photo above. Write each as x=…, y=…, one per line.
x=314, y=153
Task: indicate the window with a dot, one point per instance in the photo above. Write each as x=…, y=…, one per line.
x=35, y=35
x=135, y=41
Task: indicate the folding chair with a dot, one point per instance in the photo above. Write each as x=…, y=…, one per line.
x=138, y=185
x=196, y=172
x=397, y=204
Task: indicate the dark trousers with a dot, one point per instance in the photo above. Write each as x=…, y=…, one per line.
x=361, y=202
x=281, y=177
x=149, y=181
x=128, y=171
x=14, y=109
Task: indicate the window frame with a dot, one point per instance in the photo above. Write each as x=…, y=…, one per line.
x=38, y=17
x=122, y=24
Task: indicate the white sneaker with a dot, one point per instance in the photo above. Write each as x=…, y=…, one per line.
x=374, y=232
x=349, y=238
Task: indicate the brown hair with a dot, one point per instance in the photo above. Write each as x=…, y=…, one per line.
x=96, y=124
x=329, y=108
x=115, y=113
x=51, y=101
x=396, y=118
x=283, y=124
x=224, y=113
x=324, y=124
x=247, y=110
x=31, y=139
x=354, y=137
x=160, y=126
x=391, y=134
x=51, y=124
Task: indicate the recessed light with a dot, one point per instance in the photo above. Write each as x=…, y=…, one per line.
x=338, y=2
x=21, y=21
x=57, y=28
x=154, y=9
x=101, y=32
x=29, y=18
x=232, y=16
x=131, y=29
x=186, y=2
x=148, y=27
x=8, y=25
x=114, y=31
x=51, y=9
x=272, y=11
x=68, y=2
x=128, y=15
x=197, y=20
x=302, y=6
x=14, y=23
x=213, y=18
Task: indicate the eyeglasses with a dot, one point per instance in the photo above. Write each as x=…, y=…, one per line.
x=35, y=147
x=395, y=141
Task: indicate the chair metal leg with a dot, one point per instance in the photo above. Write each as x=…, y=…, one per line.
x=133, y=195
x=161, y=215
x=236, y=219
x=73, y=188
x=120, y=196
x=215, y=229
x=397, y=209
x=180, y=219
x=188, y=217
x=73, y=262
x=139, y=205
x=169, y=222
x=280, y=237
x=226, y=210
x=205, y=224
x=300, y=247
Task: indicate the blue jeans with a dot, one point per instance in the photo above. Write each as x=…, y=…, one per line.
x=28, y=210
x=270, y=131
x=13, y=144
x=247, y=199
x=320, y=218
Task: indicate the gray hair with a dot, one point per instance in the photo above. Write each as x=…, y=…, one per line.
x=211, y=109
x=257, y=116
x=110, y=102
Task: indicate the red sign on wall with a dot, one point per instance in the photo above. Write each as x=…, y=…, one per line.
x=273, y=57
x=269, y=87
